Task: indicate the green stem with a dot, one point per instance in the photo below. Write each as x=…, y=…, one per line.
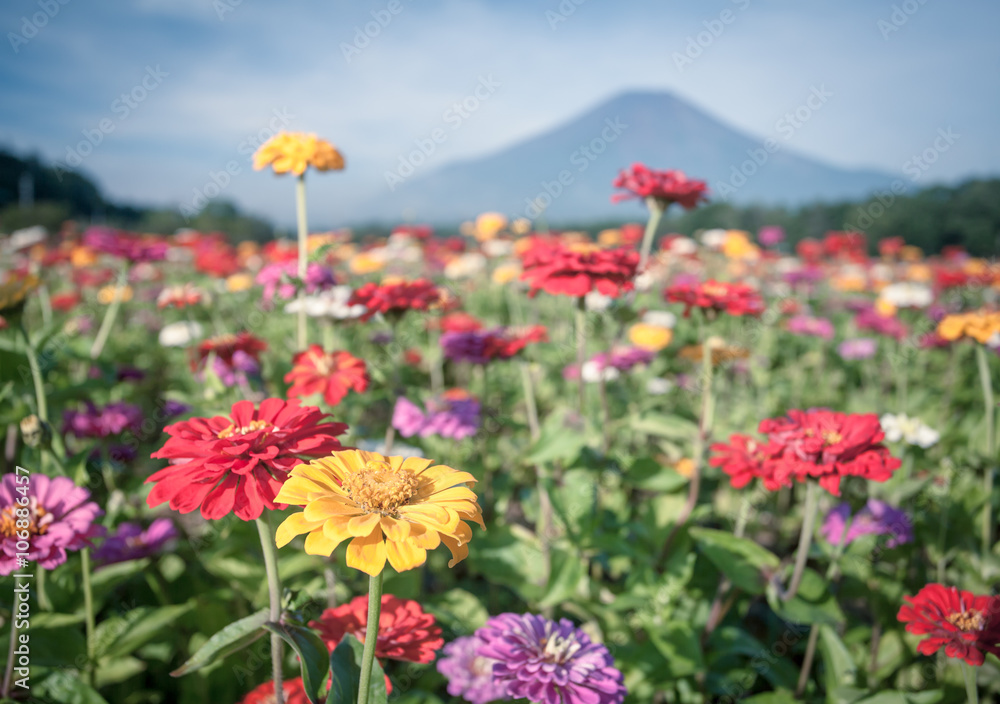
x=9, y=667
x=805, y=539
x=41, y=405
x=991, y=451
x=110, y=314
x=88, y=606
x=371, y=635
x=655, y=213
x=807, y=661
x=44, y=603
x=300, y=214
x=970, y=683
x=270, y=550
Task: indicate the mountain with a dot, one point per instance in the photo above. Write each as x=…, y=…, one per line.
x=586, y=153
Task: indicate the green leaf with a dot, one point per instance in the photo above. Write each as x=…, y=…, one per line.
x=646, y=473
x=782, y=696
x=345, y=670
x=118, y=670
x=66, y=687
x=813, y=603
x=840, y=670
x=567, y=572
x=743, y=561
x=556, y=443
x=234, y=637
x=312, y=652
x=460, y=610
x=678, y=644
x=142, y=625
x=665, y=426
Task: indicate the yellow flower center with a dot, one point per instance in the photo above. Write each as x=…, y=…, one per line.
x=38, y=524
x=831, y=437
x=233, y=430
x=971, y=620
x=323, y=363
x=378, y=488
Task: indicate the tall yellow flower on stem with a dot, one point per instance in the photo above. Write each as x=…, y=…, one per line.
x=391, y=510
x=295, y=152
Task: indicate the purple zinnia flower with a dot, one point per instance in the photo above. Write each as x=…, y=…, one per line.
x=280, y=278
x=808, y=325
x=465, y=346
x=857, y=348
x=549, y=661
x=876, y=518
x=231, y=374
x=60, y=517
x=173, y=408
x=454, y=415
x=95, y=422
x=131, y=542
x=469, y=674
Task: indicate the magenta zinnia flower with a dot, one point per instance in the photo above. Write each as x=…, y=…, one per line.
x=469, y=674
x=97, y=422
x=60, y=517
x=549, y=661
x=857, y=348
x=809, y=326
x=454, y=415
x=280, y=278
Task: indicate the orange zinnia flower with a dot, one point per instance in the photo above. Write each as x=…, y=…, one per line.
x=295, y=152
x=331, y=373
x=390, y=508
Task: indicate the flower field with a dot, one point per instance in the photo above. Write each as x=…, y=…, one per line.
x=512, y=465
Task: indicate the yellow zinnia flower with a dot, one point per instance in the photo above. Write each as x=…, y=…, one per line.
x=295, y=152
x=107, y=294
x=488, y=225
x=239, y=282
x=650, y=337
x=390, y=508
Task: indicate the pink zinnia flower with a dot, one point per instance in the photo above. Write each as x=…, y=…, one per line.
x=60, y=517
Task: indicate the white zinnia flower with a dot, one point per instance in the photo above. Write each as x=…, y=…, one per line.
x=660, y=318
x=657, y=386
x=596, y=302
x=331, y=303
x=907, y=294
x=912, y=431
x=714, y=239
x=180, y=334
x=592, y=372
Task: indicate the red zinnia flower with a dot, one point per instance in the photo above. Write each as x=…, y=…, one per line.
x=577, y=269
x=180, y=296
x=65, y=301
x=405, y=632
x=395, y=297
x=665, y=186
x=735, y=299
x=965, y=624
x=225, y=346
x=745, y=459
x=828, y=446
x=331, y=373
x=295, y=693
x=237, y=463
x=508, y=342
x=459, y=321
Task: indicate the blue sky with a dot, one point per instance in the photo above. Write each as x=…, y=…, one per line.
x=218, y=72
